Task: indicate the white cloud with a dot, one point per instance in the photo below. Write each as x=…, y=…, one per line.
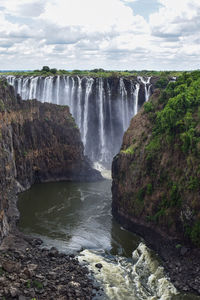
x=93, y=15
x=23, y=8
x=98, y=33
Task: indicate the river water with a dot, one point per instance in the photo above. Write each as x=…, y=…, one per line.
x=76, y=217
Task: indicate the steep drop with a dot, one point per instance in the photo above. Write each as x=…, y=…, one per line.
x=102, y=107
x=38, y=143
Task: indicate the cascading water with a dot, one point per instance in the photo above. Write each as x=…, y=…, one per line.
x=147, y=86
x=102, y=107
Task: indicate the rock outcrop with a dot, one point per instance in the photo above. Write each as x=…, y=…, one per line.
x=156, y=178
x=102, y=107
x=38, y=143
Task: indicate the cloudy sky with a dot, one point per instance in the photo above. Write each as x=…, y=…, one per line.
x=109, y=34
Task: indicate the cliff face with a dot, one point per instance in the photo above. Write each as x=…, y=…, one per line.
x=156, y=178
x=38, y=143
x=102, y=107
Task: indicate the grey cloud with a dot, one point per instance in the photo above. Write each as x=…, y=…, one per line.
x=62, y=35
x=32, y=9
x=6, y=43
x=171, y=37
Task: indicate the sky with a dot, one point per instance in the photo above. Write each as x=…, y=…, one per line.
x=109, y=34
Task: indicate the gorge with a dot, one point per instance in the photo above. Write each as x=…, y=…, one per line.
x=102, y=108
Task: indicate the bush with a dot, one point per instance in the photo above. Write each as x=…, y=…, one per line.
x=148, y=107
x=195, y=233
x=45, y=69
x=162, y=82
x=53, y=71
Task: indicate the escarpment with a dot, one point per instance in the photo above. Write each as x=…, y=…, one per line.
x=101, y=106
x=38, y=143
x=156, y=175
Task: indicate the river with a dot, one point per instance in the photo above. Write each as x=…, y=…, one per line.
x=76, y=218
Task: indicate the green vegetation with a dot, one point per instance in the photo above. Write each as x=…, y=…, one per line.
x=148, y=107
x=141, y=195
x=195, y=233
x=180, y=114
x=153, y=147
x=46, y=71
x=149, y=189
x=28, y=284
x=163, y=81
x=129, y=150
x=35, y=283
x=182, y=99
x=176, y=129
x=2, y=106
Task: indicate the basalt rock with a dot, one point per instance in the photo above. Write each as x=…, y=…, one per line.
x=156, y=192
x=38, y=143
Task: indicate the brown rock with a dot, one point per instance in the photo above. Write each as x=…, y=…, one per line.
x=10, y=266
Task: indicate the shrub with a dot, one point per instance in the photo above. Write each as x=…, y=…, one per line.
x=162, y=82
x=148, y=107
x=149, y=189
x=45, y=69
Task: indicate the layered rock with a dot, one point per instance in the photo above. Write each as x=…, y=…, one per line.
x=38, y=143
x=102, y=107
x=156, y=181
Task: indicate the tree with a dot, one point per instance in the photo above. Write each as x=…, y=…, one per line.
x=53, y=71
x=46, y=69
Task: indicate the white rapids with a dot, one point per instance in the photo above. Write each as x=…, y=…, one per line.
x=141, y=278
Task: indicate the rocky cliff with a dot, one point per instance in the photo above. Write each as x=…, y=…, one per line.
x=156, y=177
x=38, y=143
x=101, y=107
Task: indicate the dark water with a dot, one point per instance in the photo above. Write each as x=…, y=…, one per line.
x=74, y=216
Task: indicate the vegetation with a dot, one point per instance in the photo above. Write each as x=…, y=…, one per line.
x=129, y=150
x=177, y=128
x=47, y=71
x=2, y=106
x=179, y=118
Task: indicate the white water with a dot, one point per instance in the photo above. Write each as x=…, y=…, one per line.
x=147, y=86
x=102, y=111
x=140, y=278
x=106, y=173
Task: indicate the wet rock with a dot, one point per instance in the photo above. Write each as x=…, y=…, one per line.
x=98, y=266
x=53, y=252
x=183, y=250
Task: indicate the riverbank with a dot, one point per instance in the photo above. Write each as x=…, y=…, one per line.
x=38, y=143
x=181, y=262
x=27, y=271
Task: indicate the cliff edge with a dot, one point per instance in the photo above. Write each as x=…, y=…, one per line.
x=156, y=175
x=38, y=143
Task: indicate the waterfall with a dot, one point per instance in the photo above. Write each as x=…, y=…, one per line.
x=85, y=113
x=101, y=107
x=147, y=86
x=135, y=93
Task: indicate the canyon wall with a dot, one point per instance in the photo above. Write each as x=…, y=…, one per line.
x=101, y=107
x=38, y=143
x=156, y=178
